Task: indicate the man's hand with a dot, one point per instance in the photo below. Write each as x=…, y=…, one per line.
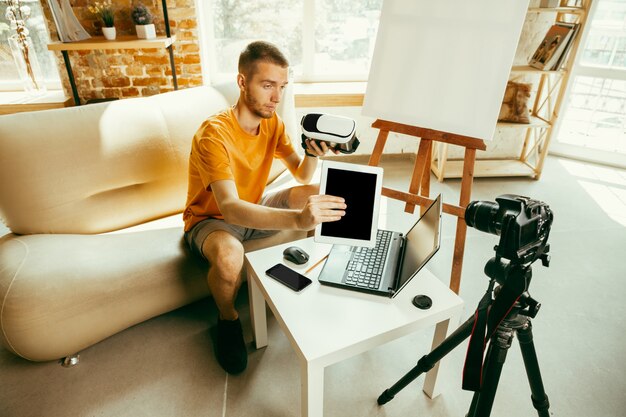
x=313, y=148
x=321, y=209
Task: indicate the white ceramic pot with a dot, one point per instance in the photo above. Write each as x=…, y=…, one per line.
x=146, y=31
x=109, y=33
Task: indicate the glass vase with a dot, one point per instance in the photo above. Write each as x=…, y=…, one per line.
x=28, y=68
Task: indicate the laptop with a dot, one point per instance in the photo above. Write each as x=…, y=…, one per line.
x=390, y=265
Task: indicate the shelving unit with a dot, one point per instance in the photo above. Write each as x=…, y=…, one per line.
x=121, y=42
x=544, y=112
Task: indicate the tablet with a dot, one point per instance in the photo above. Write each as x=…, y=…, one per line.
x=360, y=186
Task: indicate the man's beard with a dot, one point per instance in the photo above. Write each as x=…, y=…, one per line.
x=254, y=106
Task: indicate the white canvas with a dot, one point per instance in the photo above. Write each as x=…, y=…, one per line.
x=444, y=64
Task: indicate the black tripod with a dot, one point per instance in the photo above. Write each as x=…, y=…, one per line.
x=517, y=321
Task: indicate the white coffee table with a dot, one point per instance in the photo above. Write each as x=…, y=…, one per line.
x=326, y=325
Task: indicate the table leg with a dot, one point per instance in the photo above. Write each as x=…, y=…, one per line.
x=257, y=313
x=442, y=330
x=312, y=389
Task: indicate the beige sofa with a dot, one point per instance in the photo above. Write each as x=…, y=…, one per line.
x=93, y=196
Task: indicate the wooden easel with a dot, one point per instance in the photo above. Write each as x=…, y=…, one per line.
x=419, y=188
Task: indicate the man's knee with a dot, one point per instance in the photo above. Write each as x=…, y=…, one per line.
x=224, y=252
x=298, y=196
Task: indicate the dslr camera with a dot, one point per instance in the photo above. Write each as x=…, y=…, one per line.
x=522, y=223
x=338, y=132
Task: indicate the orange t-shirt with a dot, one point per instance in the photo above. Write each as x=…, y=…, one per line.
x=222, y=150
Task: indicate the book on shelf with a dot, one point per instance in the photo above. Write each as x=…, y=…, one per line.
x=552, y=49
x=568, y=44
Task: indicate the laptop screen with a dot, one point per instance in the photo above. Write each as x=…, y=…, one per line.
x=422, y=242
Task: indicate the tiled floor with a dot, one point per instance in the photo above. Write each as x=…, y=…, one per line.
x=165, y=366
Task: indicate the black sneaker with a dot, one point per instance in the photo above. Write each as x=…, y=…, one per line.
x=230, y=347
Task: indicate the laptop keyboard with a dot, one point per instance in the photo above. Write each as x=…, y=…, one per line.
x=365, y=269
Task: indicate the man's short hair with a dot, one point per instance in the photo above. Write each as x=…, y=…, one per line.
x=260, y=51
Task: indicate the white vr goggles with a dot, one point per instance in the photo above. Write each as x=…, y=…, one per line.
x=338, y=132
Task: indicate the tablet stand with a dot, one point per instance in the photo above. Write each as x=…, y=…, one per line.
x=419, y=188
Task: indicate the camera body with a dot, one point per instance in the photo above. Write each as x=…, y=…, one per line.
x=338, y=132
x=522, y=223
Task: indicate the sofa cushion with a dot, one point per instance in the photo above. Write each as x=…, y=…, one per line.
x=104, y=284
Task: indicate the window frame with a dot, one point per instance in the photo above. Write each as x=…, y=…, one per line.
x=586, y=70
x=208, y=52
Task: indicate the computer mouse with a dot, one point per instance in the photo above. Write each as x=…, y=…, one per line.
x=296, y=255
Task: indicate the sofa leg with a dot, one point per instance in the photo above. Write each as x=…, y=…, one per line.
x=70, y=361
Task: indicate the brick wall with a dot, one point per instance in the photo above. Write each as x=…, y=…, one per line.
x=120, y=73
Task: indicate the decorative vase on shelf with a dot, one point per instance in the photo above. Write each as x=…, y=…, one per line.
x=146, y=31
x=109, y=33
x=28, y=68
x=143, y=22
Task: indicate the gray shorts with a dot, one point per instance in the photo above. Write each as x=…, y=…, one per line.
x=196, y=236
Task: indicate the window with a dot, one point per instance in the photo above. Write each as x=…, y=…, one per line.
x=324, y=40
x=9, y=80
x=594, y=121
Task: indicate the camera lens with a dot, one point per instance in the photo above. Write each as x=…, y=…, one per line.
x=481, y=215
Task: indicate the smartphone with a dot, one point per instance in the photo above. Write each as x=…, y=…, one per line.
x=288, y=276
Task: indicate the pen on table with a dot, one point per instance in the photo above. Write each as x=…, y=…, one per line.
x=316, y=264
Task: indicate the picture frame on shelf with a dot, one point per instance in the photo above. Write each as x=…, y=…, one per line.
x=552, y=46
x=68, y=27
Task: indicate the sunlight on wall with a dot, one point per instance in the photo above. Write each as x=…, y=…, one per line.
x=606, y=186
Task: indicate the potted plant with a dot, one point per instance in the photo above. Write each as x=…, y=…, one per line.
x=143, y=22
x=104, y=11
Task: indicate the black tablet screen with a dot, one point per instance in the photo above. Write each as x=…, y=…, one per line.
x=359, y=191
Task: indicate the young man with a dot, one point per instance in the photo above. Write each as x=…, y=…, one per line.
x=229, y=164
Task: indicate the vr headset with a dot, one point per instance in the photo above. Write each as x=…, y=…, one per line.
x=338, y=132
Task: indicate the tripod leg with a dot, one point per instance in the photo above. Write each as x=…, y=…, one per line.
x=427, y=362
x=482, y=401
x=539, y=397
